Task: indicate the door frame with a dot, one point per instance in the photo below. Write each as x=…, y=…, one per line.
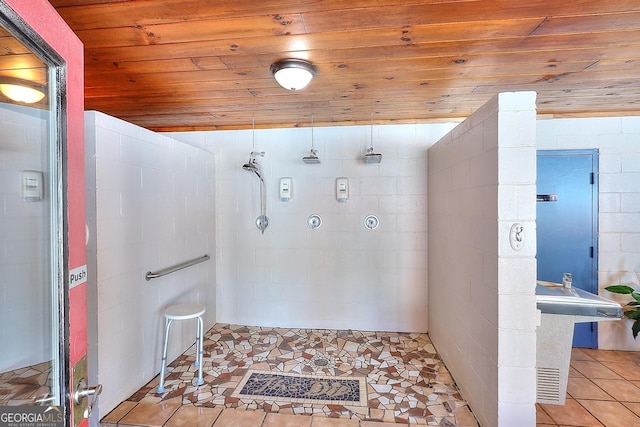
x=41, y=22
x=18, y=28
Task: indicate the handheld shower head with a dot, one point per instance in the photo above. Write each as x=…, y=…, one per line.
x=251, y=167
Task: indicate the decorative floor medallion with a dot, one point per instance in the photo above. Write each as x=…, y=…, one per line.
x=299, y=388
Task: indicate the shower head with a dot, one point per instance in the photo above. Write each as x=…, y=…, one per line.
x=312, y=158
x=371, y=157
x=251, y=167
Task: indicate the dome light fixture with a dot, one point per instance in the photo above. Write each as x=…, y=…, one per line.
x=22, y=91
x=293, y=74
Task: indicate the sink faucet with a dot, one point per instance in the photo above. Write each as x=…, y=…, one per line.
x=567, y=279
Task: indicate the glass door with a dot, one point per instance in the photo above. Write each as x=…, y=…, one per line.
x=33, y=353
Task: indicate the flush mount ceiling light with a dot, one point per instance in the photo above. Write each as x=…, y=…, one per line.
x=293, y=74
x=23, y=91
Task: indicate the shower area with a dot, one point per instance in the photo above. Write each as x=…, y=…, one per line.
x=340, y=276
x=345, y=276
x=317, y=302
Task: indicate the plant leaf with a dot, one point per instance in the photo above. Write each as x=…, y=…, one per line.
x=633, y=314
x=633, y=303
x=620, y=289
x=636, y=295
x=635, y=328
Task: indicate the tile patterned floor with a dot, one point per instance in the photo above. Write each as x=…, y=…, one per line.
x=407, y=381
x=603, y=390
x=26, y=386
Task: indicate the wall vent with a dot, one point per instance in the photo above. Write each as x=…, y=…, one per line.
x=548, y=387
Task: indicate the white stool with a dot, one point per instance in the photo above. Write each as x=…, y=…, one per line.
x=183, y=312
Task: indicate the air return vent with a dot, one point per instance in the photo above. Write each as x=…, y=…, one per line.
x=548, y=389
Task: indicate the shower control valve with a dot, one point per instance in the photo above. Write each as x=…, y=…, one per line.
x=314, y=221
x=371, y=222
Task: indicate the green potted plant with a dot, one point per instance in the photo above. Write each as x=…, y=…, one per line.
x=632, y=308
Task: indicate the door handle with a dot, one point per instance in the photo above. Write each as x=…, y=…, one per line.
x=83, y=391
x=547, y=198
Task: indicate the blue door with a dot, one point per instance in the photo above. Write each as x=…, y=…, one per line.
x=567, y=210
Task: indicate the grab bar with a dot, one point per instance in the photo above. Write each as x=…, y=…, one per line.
x=176, y=267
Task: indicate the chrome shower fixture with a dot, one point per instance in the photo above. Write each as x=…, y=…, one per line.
x=252, y=165
x=312, y=158
x=262, y=221
x=370, y=156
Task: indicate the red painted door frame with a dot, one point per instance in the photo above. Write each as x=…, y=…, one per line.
x=44, y=20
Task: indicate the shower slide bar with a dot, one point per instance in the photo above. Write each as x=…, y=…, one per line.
x=176, y=267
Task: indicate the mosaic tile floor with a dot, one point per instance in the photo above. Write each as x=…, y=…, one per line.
x=407, y=382
x=26, y=386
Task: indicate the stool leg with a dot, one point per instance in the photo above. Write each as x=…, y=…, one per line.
x=164, y=355
x=198, y=334
x=200, y=350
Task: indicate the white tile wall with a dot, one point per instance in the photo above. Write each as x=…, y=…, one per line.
x=24, y=282
x=482, y=310
x=150, y=205
x=340, y=275
x=618, y=141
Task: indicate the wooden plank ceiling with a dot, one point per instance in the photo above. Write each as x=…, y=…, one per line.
x=171, y=65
